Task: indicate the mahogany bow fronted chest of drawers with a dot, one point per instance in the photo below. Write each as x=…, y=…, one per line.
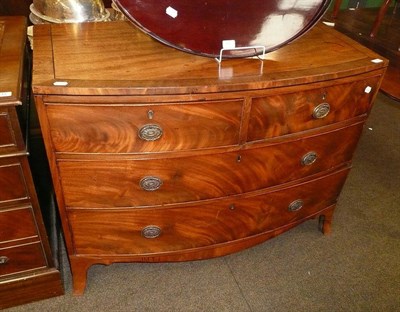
x=158, y=155
x=27, y=272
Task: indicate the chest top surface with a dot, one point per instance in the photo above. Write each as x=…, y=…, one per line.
x=115, y=58
x=12, y=43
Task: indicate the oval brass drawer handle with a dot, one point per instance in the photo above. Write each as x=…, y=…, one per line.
x=150, y=183
x=150, y=132
x=321, y=111
x=296, y=205
x=3, y=259
x=309, y=158
x=151, y=231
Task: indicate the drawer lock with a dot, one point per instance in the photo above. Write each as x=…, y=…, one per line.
x=3, y=259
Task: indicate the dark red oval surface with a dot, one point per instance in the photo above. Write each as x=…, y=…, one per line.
x=205, y=27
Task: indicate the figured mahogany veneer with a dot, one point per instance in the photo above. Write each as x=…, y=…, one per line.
x=158, y=155
x=207, y=224
x=27, y=272
x=187, y=179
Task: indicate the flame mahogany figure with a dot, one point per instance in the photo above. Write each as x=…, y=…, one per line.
x=161, y=155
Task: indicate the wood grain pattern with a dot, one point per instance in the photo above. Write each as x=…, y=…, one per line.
x=293, y=112
x=23, y=216
x=22, y=258
x=6, y=137
x=27, y=264
x=114, y=128
x=45, y=283
x=128, y=67
x=230, y=157
x=12, y=182
x=10, y=141
x=12, y=45
x=116, y=183
x=119, y=231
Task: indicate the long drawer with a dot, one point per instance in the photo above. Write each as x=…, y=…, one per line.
x=151, y=230
x=21, y=258
x=126, y=183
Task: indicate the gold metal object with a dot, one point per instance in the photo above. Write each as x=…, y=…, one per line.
x=69, y=11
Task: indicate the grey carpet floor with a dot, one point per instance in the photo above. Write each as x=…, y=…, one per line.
x=356, y=268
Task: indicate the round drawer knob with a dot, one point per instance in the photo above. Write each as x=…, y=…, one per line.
x=150, y=132
x=4, y=259
x=309, y=158
x=296, y=205
x=321, y=111
x=151, y=231
x=150, y=183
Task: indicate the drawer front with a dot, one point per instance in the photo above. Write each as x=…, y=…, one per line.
x=152, y=230
x=12, y=181
x=144, y=128
x=8, y=138
x=127, y=183
x=21, y=258
x=293, y=112
x=16, y=224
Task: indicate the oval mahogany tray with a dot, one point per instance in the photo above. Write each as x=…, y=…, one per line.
x=205, y=27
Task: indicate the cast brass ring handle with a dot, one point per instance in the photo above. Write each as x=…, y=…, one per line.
x=4, y=259
x=150, y=183
x=150, y=132
x=309, y=158
x=151, y=231
x=296, y=205
x=321, y=111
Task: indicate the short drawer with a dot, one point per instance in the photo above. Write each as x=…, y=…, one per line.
x=144, y=128
x=282, y=114
x=10, y=137
x=12, y=181
x=152, y=230
x=133, y=183
x=17, y=224
x=21, y=258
